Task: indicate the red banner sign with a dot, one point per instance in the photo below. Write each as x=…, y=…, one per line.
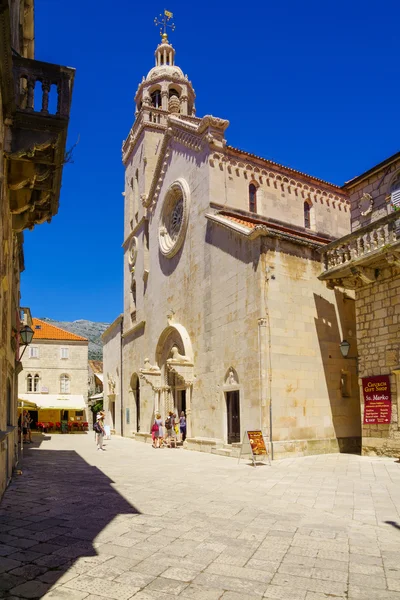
x=377, y=399
x=257, y=443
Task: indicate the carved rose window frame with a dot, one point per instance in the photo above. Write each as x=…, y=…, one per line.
x=174, y=218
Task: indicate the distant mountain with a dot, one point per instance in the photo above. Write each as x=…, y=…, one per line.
x=87, y=329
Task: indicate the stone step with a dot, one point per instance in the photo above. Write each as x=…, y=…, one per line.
x=229, y=451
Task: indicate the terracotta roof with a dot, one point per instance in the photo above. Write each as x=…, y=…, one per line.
x=44, y=331
x=96, y=366
x=252, y=223
x=338, y=189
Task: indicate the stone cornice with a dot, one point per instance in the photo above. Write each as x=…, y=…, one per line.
x=263, y=171
x=136, y=327
x=136, y=131
x=110, y=328
x=209, y=131
x=134, y=231
x=263, y=230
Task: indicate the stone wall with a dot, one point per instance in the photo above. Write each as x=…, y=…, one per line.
x=279, y=197
x=378, y=318
x=311, y=411
x=50, y=366
x=377, y=185
x=112, y=375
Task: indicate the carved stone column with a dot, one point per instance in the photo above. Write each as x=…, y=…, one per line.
x=164, y=99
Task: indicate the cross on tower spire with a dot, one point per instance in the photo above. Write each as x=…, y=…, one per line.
x=163, y=20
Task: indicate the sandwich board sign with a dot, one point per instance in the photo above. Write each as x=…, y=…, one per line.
x=253, y=444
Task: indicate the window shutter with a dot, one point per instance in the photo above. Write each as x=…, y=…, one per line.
x=396, y=197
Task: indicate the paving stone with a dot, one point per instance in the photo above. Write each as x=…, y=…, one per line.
x=6, y=564
x=168, y=586
x=8, y=581
x=181, y=574
x=31, y=589
x=61, y=593
x=231, y=583
x=195, y=592
x=277, y=592
x=104, y=588
x=28, y=571
x=135, y=579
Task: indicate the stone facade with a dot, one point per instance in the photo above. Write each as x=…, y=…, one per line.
x=32, y=146
x=54, y=366
x=112, y=375
x=368, y=262
x=224, y=316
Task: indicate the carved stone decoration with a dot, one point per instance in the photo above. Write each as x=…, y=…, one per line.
x=366, y=204
x=174, y=218
x=132, y=251
x=111, y=384
x=231, y=377
x=149, y=367
x=176, y=357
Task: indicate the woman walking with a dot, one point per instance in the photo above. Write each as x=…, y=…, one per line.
x=99, y=429
x=158, y=433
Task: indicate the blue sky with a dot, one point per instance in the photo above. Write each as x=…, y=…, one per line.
x=311, y=85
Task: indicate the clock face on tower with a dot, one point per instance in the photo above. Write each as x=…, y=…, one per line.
x=174, y=218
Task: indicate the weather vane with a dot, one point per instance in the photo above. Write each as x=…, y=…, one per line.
x=163, y=20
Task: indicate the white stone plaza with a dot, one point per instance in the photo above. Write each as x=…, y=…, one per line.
x=135, y=522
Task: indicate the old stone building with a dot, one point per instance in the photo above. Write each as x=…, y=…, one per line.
x=54, y=375
x=367, y=261
x=112, y=376
x=32, y=148
x=224, y=315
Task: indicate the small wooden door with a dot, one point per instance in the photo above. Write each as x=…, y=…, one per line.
x=137, y=405
x=233, y=414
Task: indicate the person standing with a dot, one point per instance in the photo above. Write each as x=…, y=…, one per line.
x=25, y=426
x=99, y=429
x=28, y=425
x=182, y=426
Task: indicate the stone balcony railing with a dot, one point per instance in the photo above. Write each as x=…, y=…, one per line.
x=365, y=247
x=37, y=150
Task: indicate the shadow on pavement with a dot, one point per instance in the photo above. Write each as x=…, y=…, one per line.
x=393, y=524
x=50, y=517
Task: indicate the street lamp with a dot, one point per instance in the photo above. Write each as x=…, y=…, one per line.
x=26, y=336
x=344, y=348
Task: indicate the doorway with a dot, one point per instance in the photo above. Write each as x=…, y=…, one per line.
x=112, y=409
x=180, y=402
x=233, y=415
x=34, y=416
x=137, y=398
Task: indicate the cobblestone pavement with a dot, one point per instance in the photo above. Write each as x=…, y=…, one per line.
x=134, y=522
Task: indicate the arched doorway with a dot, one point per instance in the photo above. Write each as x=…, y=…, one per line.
x=135, y=387
x=232, y=399
x=174, y=356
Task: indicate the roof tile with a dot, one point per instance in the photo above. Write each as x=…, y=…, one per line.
x=44, y=331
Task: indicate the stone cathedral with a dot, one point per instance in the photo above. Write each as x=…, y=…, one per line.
x=224, y=316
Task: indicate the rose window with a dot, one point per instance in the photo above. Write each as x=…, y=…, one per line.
x=174, y=218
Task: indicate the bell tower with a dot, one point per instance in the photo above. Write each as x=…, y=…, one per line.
x=165, y=90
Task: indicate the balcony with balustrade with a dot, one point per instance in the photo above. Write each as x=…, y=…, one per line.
x=37, y=118
x=361, y=255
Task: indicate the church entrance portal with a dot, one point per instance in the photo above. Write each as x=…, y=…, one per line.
x=233, y=414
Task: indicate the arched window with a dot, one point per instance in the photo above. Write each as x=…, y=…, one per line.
x=156, y=99
x=36, y=381
x=173, y=92
x=29, y=384
x=252, y=198
x=307, y=215
x=64, y=384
